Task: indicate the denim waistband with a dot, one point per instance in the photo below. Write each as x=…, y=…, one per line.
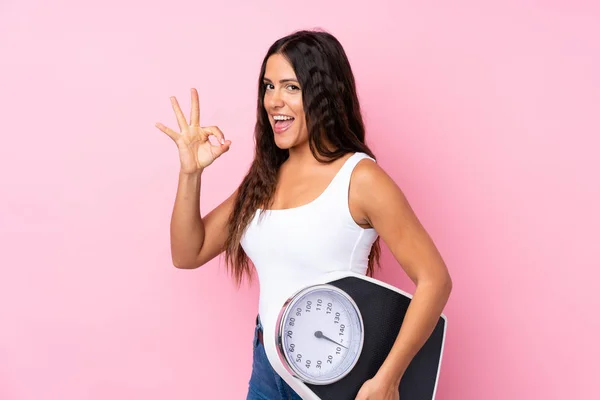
x=258, y=323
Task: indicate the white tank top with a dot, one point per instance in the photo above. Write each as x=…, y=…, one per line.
x=291, y=247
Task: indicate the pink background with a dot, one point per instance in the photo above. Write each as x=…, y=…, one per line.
x=485, y=113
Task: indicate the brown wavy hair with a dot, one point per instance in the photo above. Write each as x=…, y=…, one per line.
x=335, y=128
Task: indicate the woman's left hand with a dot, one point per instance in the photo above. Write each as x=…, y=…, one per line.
x=374, y=389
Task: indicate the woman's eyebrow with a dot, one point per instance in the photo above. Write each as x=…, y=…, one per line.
x=281, y=81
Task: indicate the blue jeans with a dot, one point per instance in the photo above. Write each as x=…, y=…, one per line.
x=265, y=383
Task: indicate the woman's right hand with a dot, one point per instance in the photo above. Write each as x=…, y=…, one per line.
x=196, y=152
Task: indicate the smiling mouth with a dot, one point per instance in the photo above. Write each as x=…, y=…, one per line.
x=282, y=123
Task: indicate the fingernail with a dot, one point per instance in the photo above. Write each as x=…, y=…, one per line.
x=222, y=141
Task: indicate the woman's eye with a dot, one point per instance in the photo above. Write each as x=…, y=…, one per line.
x=269, y=86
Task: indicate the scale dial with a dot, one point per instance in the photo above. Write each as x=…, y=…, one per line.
x=320, y=334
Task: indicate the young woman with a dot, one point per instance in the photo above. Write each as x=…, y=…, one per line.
x=314, y=200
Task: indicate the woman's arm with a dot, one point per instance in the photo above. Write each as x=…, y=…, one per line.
x=196, y=240
x=383, y=205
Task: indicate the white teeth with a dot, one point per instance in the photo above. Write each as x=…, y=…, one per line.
x=281, y=117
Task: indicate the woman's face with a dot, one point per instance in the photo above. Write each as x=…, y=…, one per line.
x=283, y=103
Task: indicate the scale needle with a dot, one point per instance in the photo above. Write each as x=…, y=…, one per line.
x=320, y=335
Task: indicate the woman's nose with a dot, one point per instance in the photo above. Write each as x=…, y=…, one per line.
x=275, y=99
